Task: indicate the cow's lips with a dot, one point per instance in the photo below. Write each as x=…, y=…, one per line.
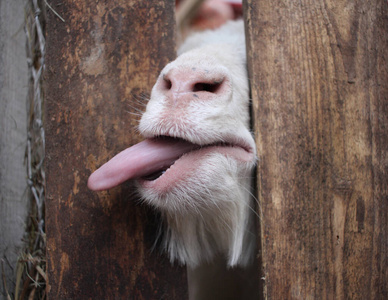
x=160, y=162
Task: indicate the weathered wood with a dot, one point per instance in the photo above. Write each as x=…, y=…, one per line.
x=320, y=101
x=100, y=63
x=13, y=137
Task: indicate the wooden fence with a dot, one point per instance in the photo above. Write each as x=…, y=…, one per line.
x=319, y=80
x=320, y=94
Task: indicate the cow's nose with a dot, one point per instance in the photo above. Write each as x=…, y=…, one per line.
x=200, y=83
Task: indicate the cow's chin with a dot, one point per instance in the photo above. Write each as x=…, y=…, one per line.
x=207, y=178
x=207, y=211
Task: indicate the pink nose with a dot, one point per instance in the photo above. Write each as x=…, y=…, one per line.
x=190, y=84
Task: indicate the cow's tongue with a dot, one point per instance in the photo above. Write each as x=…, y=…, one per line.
x=140, y=160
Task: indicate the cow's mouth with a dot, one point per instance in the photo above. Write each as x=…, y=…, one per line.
x=162, y=157
x=186, y=164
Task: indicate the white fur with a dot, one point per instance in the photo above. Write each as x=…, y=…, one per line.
x=210, y=213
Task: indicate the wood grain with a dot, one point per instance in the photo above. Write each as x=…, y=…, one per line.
x=319, y=80
x=101, y=64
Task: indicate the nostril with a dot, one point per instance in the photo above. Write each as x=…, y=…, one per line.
x=166, y=83
x=213, y=87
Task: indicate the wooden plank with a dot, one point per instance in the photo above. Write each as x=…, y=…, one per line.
x=320, y=102
x=100, y=63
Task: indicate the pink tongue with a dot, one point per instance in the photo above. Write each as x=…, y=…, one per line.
x=139, y=160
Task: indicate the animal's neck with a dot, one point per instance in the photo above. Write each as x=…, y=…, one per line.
x=226, y=229
x=216, y=281
x=189, y=239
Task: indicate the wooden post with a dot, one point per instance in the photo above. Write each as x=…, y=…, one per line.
x=319, y=75
x=101, y=62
